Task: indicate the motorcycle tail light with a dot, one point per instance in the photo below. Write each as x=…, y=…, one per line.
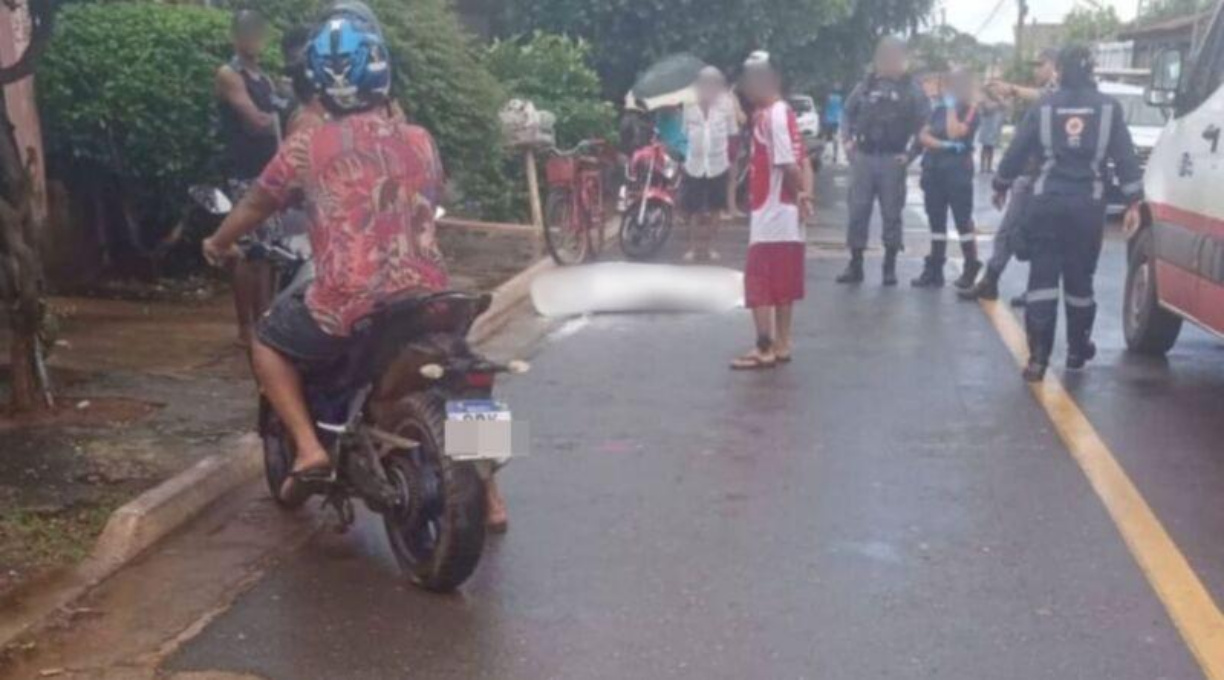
x=481, y=381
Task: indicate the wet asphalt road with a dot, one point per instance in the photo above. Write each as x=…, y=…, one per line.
x=894, y=504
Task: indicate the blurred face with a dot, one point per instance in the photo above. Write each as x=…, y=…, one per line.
x=249, y=41
x=760, y=85
x=962, y=87
x=932, y=87
x=1045, y=72
x=891, y=60
x=709, y=88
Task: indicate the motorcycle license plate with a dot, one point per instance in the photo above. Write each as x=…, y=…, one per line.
x=480, y=429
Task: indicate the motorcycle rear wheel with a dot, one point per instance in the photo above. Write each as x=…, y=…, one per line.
x=278, y=455
x=643, y=240
x=437, y=532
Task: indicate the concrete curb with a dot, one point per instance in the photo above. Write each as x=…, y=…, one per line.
x=151, y=516
x=506, y=299
x=132, y=529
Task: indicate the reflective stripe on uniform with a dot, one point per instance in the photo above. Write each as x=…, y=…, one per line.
x=1133, y=188
x=1098, y=185
x=1046, y=130
x=963, y=238
x=1042, y=295
x=1076, y=301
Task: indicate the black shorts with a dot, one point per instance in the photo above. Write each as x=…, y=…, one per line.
x=704, y=194
x=289, y=328
x=828, y=131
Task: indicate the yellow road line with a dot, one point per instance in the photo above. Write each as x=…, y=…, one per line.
x=1191, y=607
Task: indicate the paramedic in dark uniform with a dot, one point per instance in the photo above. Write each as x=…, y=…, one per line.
x=882, y=117
x=947, y=180
x=1075, y=132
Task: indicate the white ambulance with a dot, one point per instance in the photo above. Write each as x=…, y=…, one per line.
x=1176, y=250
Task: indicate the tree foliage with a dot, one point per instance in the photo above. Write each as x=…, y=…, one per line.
x=552, y=71
x=1091, y=21
x=127, y=88
x=944, y=47
x=629, y=35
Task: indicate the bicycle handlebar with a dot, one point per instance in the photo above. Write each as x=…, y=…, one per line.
x=581, y=148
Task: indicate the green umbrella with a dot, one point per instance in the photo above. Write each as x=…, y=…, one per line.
x=669, y=82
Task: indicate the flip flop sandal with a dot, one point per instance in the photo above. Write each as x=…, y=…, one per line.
x=752, y=362
x=301, y=485
x=784, y=358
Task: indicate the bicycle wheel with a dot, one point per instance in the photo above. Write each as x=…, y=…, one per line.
x=565, y=234
x=595, y=216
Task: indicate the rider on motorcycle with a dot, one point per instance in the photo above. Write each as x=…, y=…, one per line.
x=370, y=184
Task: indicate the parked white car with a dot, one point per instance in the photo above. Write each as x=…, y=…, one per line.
x=807, y=116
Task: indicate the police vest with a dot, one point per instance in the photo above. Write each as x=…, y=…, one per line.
x=886, y=118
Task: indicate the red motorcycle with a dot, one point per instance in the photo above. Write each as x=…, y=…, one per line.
x=648, y=201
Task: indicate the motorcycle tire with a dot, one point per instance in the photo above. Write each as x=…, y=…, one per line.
x=642, y=241
x=278, y=455
x=437, y=533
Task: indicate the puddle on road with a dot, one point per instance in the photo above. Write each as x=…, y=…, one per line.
x=620, y=287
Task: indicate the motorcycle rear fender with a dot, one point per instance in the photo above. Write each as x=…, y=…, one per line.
x=661, y=195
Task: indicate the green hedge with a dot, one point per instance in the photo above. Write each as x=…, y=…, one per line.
x=128, y=88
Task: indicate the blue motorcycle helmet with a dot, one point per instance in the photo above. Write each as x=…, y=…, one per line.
x=348, y=61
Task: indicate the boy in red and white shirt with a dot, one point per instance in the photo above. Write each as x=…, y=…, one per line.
x=780, y=195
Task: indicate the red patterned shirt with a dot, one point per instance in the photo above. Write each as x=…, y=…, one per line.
x=370, y=186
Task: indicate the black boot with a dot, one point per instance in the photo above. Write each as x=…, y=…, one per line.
x=890, y=267
x=969, y=276
x=987, y=288
x=1078, y=357
x=854, y=270
x=932, y=275
x=1035, y=371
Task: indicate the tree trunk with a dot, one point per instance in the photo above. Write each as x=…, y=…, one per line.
x=21, y=280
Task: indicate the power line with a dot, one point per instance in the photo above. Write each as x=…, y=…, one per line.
x=994, y=13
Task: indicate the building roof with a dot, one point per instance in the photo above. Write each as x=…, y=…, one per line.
x=1165, y=26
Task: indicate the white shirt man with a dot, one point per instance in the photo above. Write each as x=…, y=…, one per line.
x=709, y=130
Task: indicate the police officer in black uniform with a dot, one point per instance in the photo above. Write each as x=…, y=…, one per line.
x=947, y=179
x=882, y=118
x=1075, y=132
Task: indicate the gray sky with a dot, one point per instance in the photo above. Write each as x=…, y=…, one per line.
x=971, y=16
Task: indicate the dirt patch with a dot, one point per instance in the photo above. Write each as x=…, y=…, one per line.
x=82, y=412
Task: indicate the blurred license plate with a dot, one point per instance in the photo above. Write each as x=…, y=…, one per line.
x=480, y=429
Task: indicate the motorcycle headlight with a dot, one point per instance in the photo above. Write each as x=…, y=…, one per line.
x=670, y=168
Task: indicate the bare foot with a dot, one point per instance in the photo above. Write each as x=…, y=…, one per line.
x=496, y=520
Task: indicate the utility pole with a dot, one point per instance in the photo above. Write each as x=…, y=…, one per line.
x=1021, y=18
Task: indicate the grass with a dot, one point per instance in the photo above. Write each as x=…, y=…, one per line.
x=36, y=541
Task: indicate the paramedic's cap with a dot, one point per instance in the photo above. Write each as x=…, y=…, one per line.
x=759, y=59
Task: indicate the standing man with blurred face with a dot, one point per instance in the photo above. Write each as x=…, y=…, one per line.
x=246, y=100
x=709, y=125
x=779, y=191
x=882, y=119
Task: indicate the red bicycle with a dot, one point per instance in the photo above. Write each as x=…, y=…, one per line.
x=574, y=210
